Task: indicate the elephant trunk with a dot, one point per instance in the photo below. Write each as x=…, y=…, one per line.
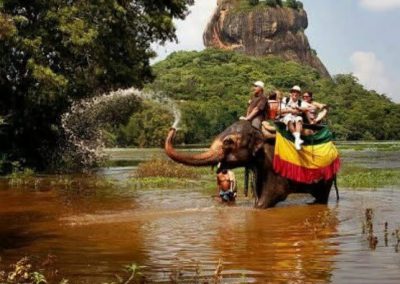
x=209, y=158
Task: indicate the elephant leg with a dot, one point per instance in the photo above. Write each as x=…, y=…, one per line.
x=321, y=191
x=274, y=189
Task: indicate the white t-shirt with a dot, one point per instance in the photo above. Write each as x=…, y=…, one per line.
x=293, y=104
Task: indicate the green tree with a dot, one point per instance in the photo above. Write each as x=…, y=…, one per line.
x=54, y=52
x=146, y=128
x=300, y=5
x=291, y=4
x=271, y=3
x=253, y=2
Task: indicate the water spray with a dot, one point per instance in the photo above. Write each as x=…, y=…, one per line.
x=82, y=123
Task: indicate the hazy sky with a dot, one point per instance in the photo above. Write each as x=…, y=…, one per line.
x=350, y=36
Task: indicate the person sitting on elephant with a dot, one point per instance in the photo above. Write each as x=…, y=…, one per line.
x=315, y=112
x=226, y=185
x=291, y=110
x=274, y=99
x=257, y=108
x=273, y=113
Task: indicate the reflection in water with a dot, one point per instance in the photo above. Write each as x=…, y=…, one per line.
x=279, y=244
x=95, y=229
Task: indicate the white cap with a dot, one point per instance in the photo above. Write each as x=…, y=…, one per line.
x=296, y=88
x=259, y=84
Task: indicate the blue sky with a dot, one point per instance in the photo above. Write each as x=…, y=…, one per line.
x=350, y=36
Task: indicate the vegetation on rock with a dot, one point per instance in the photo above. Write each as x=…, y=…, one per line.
x=277, y=3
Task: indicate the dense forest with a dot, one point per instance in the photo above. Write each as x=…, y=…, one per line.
x=212, y=88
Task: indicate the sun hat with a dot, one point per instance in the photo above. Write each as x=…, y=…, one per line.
x=259, y=84
x=296, y=89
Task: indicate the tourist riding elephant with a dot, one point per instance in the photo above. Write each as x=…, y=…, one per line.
x=241, y=145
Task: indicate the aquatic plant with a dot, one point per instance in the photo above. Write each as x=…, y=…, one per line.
x=397, y=237
x=386, y=234
x=358, y=177
x=368, y=228
x=165, y=168
x=38, y=278
x=22, y=178
x=24, y=271
x=218, y=271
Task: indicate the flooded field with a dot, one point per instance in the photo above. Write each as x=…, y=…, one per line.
x=183, y=235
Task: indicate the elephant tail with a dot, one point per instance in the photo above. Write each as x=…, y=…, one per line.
x=336, y=188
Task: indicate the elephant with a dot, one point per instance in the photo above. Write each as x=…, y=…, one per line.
x=242, y=145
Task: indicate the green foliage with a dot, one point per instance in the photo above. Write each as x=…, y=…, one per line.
x=55, y=52
x=38, y=278
x=213, y=87
x=271, y=3
x=300, y=5
x=22, y=272
x=369, y=178
x=291, y=4
x=146, y=127
x=163, y=168
x=253, y=2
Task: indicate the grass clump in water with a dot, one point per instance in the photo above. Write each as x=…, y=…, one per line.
x=369, y=178
x=158, y=173
x=161, y=182
x=166, y=169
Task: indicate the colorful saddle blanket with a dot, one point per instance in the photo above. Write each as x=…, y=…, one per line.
x=317, y=160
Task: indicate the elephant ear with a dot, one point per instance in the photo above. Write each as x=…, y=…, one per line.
x=258, y=142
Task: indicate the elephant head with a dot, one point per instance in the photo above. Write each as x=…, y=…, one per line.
x=239, y=145
x=242, y=145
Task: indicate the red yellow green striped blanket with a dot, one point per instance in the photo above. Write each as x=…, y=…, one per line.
x=318, y=159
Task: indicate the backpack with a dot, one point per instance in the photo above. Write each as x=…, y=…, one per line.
x=287, y=100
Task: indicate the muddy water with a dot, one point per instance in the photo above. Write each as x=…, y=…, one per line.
x=94, y=233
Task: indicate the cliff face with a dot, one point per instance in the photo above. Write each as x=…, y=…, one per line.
x=260, y=31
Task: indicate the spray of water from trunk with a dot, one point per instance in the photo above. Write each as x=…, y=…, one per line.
x=82, y=124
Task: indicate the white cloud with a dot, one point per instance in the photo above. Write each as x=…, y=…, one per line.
x=380, y=5
x=190, y=31
x=372, y=74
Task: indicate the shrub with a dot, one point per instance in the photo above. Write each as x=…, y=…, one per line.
x=271, y=3
x=162, y=168
x=300, y=5
x=291, y=4
x=253, y=2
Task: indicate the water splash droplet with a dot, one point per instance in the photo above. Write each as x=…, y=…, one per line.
x=82, y=123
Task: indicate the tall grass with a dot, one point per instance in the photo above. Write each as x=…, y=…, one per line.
x=369, y=178
x=165, y=169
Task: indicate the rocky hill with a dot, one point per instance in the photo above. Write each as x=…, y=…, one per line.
x=262, y=30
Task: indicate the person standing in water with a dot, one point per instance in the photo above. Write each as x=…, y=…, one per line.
x=226, y=185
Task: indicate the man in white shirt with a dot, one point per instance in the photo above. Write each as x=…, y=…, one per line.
x=291, y=110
